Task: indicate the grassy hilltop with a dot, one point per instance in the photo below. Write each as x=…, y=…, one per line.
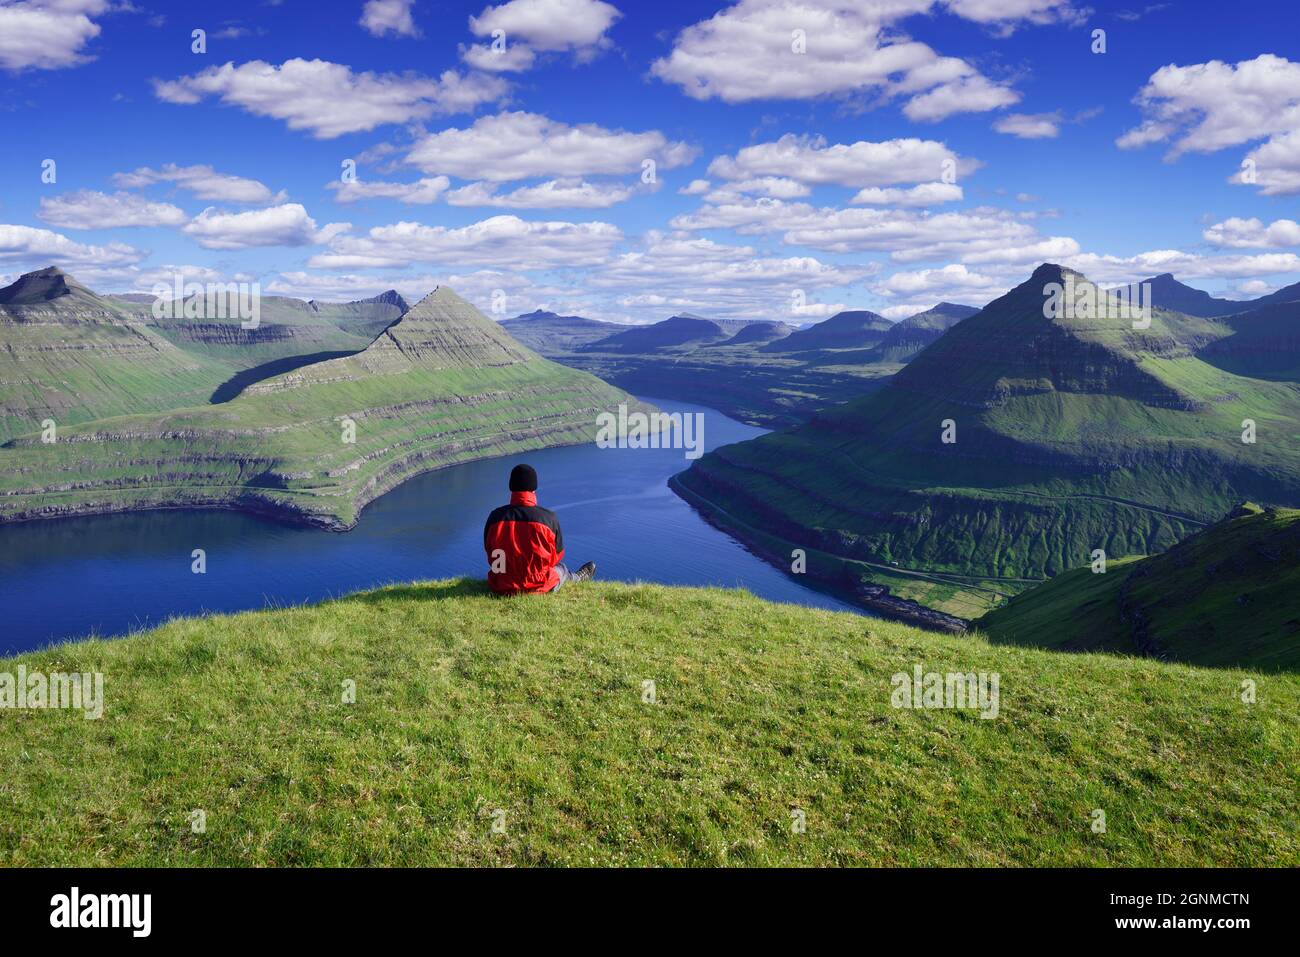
x=467, y=705
x=1223, y=596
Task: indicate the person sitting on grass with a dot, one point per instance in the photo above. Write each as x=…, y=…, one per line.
x=524, y=543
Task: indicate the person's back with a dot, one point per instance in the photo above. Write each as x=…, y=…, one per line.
x=524, y=543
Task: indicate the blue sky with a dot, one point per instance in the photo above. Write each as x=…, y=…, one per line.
x=819, y=173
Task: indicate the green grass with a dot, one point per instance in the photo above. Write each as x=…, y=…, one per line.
x=467, y=703
x=1224, y=596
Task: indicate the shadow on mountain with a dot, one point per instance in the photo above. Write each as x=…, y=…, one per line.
x=242, y=380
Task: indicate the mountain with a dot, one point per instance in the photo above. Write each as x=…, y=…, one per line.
x=442, y=385
x=1068, y=434
x=757, y=333
x=1289, y=293
x=1168, y=293
x=1264, y=343
x=549, y=333
x=853, y=329
x=535, y=707
x=287, y=327
x=672, y=333
x=909, y=336
x=1228, y=595
x=47, y=286
x=70, y=355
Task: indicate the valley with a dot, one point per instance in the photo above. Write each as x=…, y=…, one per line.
x=764, y=373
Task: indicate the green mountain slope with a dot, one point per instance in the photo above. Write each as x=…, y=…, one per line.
x=71, y=355
x=1228, y=595
x=442, y=385
x=471, y=710
x=909, y=336
x=1264, y=343
x=287, y=327
x=1071, y=435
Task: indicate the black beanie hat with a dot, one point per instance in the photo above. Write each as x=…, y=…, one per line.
x=523, y=479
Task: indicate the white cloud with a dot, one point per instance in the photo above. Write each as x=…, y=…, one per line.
x=1184, y=265
x=1252, y=288
x=499, y=241
x=284, y=225
x=510, y=146
x=548, y=25
x=47, y=34
x=126, y=278
x=776, y=187
x=1051, y=249
x=87, y=209
x=1237, y=233
x=203, y=181
x=1030, y=126
x=1004, y=15
x=389, y=16
x=28, y=244
x=970, y=94
x=425, y=190
x=748, y=52
x=951, y=282
x=511, y=58
x=674, y=273
x=1274, y=167
x=1211, y=106
x=982, y=234
x=810, y=160
x=553, y=194
x=696, y=187
x=478, y=286
x=923, y=194
x=328, y=99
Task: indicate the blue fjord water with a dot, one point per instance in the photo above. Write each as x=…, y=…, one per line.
x=113, y=574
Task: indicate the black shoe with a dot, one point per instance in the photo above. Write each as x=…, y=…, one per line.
x=586, y=573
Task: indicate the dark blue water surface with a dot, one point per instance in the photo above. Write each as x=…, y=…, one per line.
x=113, y=574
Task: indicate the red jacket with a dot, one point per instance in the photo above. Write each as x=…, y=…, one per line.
x=523, y=544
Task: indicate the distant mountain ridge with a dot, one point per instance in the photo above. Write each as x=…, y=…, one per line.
x=1168, y=293
x=674, y=332
x=548, y=332
x=850, y=329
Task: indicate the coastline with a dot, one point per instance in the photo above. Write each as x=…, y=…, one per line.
x=872, y=597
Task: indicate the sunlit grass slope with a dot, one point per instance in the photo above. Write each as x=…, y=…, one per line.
x=519, y=732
